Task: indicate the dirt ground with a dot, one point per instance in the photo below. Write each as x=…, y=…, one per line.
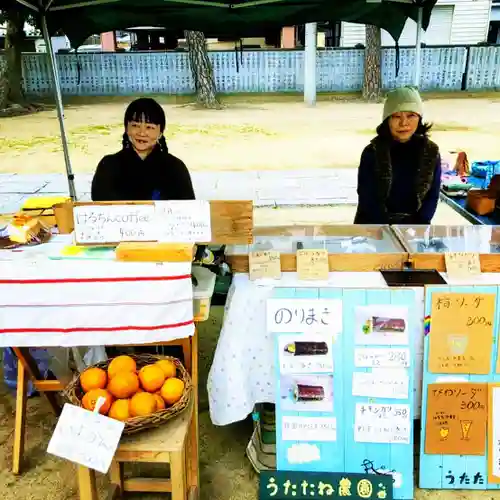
x=253, y=132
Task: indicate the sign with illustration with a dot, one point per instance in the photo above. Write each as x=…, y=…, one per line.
x=462, y=332
x=460, y=440
x=280, y=485
x=344, y=402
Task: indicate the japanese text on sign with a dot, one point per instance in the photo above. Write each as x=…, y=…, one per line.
x=183, y=221
x=456, y=419
x=463, y=478
x=86, y=438
x=312, y=264
x=391, y=384
x=99, y=224
x=281, y=485
x=382, y=423
x=382, y=357
x=304, y=315
x=264, y=264
x=462, y=264
x=461, y=333
x=309, y=429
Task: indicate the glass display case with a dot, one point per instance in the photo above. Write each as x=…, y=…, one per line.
x=350, y=248
x=427, y=245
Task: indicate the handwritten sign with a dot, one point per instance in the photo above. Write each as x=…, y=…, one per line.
x=183, y=221
x=86, y=438
x=304, y=315
x=494, y=433
x=390, y=384
x=100, y=224
x=391, y=357
x=456, y=419
x=312, y=264
x=264, y=264
x=462, y=264
x=382, y=423
x=461, y=333
x=309, y=428
x=283, y=485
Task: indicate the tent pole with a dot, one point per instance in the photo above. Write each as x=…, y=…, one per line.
x=418, y=48
x=60, y=110
x=310, y=64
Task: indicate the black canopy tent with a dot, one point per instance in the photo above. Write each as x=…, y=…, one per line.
x=80, y=19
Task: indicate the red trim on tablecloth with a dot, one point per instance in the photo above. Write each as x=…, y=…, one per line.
x=96, y=328
x=93, y=280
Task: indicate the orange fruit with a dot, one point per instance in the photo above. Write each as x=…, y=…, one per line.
x=151, y=377
x=121, y=364
x=142, y=404
x=168, y=367
x=172, y=390
x=90, y=399
x=160, y=403
x=120, y=410
x=93, y=378
x=123, y=385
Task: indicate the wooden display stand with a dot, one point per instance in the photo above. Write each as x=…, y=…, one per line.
x=356, y=262
x=232, y=223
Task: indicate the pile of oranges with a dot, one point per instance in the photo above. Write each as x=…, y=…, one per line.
x=130, y=392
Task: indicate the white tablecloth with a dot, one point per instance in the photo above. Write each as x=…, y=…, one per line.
x=65, y=303
x=243, y=370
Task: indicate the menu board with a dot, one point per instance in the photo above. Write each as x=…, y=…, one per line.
x=344, y=371
x=460, y=446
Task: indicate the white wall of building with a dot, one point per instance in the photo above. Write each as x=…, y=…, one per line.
x=453, y=22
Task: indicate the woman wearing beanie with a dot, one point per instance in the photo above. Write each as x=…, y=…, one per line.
x=399, y=175
x=143, y=169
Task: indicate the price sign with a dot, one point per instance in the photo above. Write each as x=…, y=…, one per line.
x=264, y=264
x=312, y=264
x=461, y=332
x=86, y=438
x=462, y=264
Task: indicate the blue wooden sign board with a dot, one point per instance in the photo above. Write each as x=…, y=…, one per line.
x=459, y=472
x=345, y=432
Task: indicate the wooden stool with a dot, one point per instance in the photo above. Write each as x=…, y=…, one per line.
x=166, y=445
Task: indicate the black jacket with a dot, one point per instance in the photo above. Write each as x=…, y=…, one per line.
x=124, y=176
x=398, y=183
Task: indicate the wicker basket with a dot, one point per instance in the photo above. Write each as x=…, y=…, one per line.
x=73, y=393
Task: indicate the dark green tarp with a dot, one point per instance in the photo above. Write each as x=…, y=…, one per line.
x=225, y=18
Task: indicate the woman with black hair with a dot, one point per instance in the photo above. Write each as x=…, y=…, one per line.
x=399, y=176
x=143, y=169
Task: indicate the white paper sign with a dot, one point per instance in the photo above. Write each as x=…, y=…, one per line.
x=304, y=316
x=86, y=438
x=381, y=357
x=495, y=438
x=381, y=325
x=114, y=223
x=382, y=423
x=391, y=384
x=183, y=221
x=309, y=429
x=305, y=353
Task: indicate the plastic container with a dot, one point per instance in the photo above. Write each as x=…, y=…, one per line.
x=202, y=293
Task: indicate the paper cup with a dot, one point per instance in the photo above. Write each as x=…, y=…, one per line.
x=64, y=217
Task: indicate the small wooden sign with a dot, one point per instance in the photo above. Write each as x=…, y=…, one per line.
x=312, y=264
x=283, y=485
x=264, y=264
x=462, y=264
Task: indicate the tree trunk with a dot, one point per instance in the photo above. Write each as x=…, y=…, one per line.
x=373, y=54
x=201, y=69
x=11, y=76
